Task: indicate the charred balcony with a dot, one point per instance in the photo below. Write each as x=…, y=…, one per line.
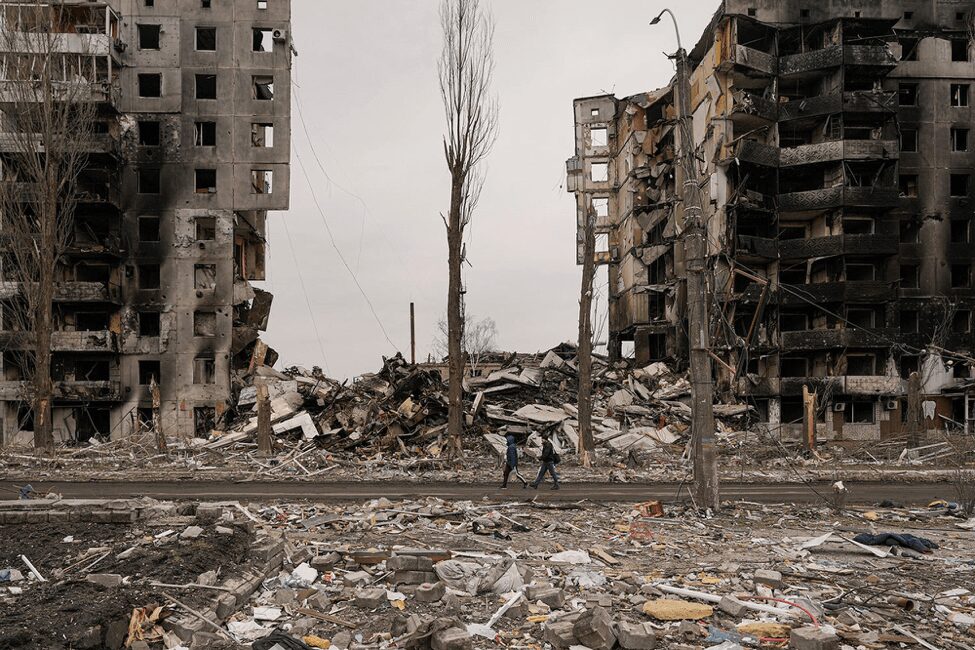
x=68, y=391
x=848, y=102
x=878, y=58
x=876, y=244
x=819, y=339
x=880, y=196
x=838, y=150
x=62, y=341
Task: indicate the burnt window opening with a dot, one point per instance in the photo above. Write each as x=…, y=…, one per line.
x=909, y=364
x=959, y=95
x=861, y=365
x=961, y=322
x=206, y=181
x=752, y=12
x=791, y=410
x=909, y=140
x=149, y=369
x=144, y=415
x=204, y=370
x=863, y=317
x=961, y=276
x=959, y=140
x=206, y=39
x=792, y=322
x=204, y=420
x=959, y=49
x=262, y=135
x=150, y=85
x=149, y=276
x=91, y=321
x=908, y=185
x=862, y=412
x=792, y=232
x=263, y=39
x=205, y=277
x=149, y=133
x=960, y=231
x=262, y=181
x=909, y=321
x=908, y=15
x=907, y=94
x=150, y=3
x=206, y=86
x=149, y=36
x=205, y=4
x=263, y=88
x=25, y=417
x=206, y=228
x=91, y=421
x=910, y=276
x=794, y=367
x=205, y=323
x=958, y=185
x=804, y=13
x=149, y=229
x=149, y=181
x=600, y=206
x=860, y=272
x=859, y=226
x=149, y=323
x=206, y=134
x=795, y=274
x=909, y=47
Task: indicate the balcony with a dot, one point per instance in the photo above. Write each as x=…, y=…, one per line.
x=99, y=92
x=99, y=143
x=848, y=102
x=750, y=105
x=835, y=56
x=837, y=150
x=631, y=309
x=70, y=292
x=68, y=391
x=103, y=341
x=876, y=244
x=757, y=247
x=758, y=153
x=848, y=385
x=835, y=197
x=837, y=338
x=753, y=59
x=836, y=292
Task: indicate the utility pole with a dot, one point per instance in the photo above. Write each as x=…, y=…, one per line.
x=412, y=334
x=695, y=255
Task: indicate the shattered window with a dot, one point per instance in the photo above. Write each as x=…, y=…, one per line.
x=601, y=206
x=263, y=39
x=149, y=229
x=599, y=136
x=959, y=49
x=204, y=370
x=149, y=370
x=862, y=411
x=909, y=49
x=206, y=134
x=149, y=276
x=909, y=140
x=959, y=231
x=149, y=181
x=959, y=95
x=961, y=321
x=860, y=365
x=206, y=86
x=150, y=85
x=262, y=135
x=907, y=94
x=149, y=133
x=909, y=321
x=205, y=277
x=961, y=276
x=908, y=185
x=910, y=277
x=204, y=323
x=958, y=185
x=149, y=37
x=263, y=88
x=206, y=228
x=206, y=181
x=206, y=39
x=262, y=181
x=599, y=172
x=204, y=420
x=959, y=140
x=149, y=323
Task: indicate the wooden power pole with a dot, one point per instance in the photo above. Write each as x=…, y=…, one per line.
x=695, y=254
x=412, y=334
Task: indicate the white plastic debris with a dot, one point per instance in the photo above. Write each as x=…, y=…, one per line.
x=572, y=557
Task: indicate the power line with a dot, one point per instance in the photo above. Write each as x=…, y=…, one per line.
x=301, y=281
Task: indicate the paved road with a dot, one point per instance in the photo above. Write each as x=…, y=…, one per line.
x=860, y=493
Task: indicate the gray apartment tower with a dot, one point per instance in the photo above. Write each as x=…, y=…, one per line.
x=194, y=152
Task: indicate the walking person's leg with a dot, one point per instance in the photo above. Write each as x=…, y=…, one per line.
x=555, y=476
x=541, y=475
x=524, y=482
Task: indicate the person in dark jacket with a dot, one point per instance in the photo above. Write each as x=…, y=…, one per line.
x=549, y=460
x=511, y=464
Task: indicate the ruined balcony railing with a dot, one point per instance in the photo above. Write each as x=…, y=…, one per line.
x=763, y=247
x=631, y=309
x=835, y=56
x=100, y=341
x=68, y=391
x=835, y=197
x=820, y=339
x=837, y=150
x=758, y=153
x=836, y=292
x=13, y=91
x=848, y=102
x=746, y=103
x=99, y=143
x=753, y=59
x=877, y=385
x=875, y=244
x=70, y=291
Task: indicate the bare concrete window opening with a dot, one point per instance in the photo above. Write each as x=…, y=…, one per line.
x=794, y=367
x=910, y=276
x=599, y=136
x=909, y=140
x=149, y=323
x=206, y=181
x=958, y=185
x=149, y=370
x=262, y=181
x=206, y=134
x=861, y=365
x=149, y=36
x=594, y=112
x=205, y=277
x=961, y=321
x=149, y=181
x=150, y=85
x=865, y=317
x=150, y=3
x=602, y=243
x=907, y=94
x=790, y=410
x=752, y=12
x=861, y=272
x=909, y=48
x=908, y=15
x=792, y=231
x=205, y=4
x=262, y=135
x=204, y=420
x=262, y=4
x=204, y=370
x=959, y=95
x=90, y=321
x=858, y=226
x=909, y=232
x=149, y=133
x=908, y=185
x=206, y=228
x=149, y=276
x=263, y=39
x=601, y=207
x=960, y=229
x=909, y=322
x=804, y=13
x=263, y=88
x=961, y=276
x=793, y=322
x=206, y=39
x=959, y=140
x=599, y=172
x=206, y=86
x=148, y=229
x=959, y=15
x=862, y=412
x=204, y=323
x=959, y=49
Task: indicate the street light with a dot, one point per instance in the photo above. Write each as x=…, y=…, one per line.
x=673, y=18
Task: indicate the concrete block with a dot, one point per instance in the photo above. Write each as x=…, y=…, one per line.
x=430, y=592
x=223, y=530
x=226, y=606
x=284, y=596
x=370, y=598
x=115, y=633
x=105, y=579
x=208, y=514
x=768, y=577
x=267, y=550
x=58, y=516
x=36, y=516
x=409, y=563
x=636, y=636
x=14, y=517
x=560, y=634
x=191, y=532
x=551, y=596
x=594, y=629
x=453, y=638
x=732, y=606
x=414, y=577
x=813, y=638
x=325, y=562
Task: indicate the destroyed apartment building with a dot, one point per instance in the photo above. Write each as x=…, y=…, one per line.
x=192, y=151
x=834, y=144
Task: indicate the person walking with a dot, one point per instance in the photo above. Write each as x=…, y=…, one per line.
x=549, y=460
x=511, y=464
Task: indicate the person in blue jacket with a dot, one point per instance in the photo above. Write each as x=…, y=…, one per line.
x=511, y=464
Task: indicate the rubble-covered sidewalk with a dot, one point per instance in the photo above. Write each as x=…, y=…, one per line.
x=453, y=575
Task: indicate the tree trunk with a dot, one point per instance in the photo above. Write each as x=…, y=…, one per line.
x=43, y=386
x=586, y=443
x=455, y=317
x=264, y=447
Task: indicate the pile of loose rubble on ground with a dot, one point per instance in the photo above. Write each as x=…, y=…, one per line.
x=458, y=575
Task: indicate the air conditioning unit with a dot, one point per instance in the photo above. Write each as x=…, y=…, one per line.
x=891, y=405
x=280, y=35
x=839, y=406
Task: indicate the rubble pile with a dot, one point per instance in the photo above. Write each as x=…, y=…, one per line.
x=455, y=575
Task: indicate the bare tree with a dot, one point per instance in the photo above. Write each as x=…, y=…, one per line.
x=480, y=337
x=48, y=115
x=587, y=445
x=466, y=69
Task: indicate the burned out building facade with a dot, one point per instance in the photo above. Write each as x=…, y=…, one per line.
x=833, y=144
x=193, y=152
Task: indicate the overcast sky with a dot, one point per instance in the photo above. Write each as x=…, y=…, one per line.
x=366, y=77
